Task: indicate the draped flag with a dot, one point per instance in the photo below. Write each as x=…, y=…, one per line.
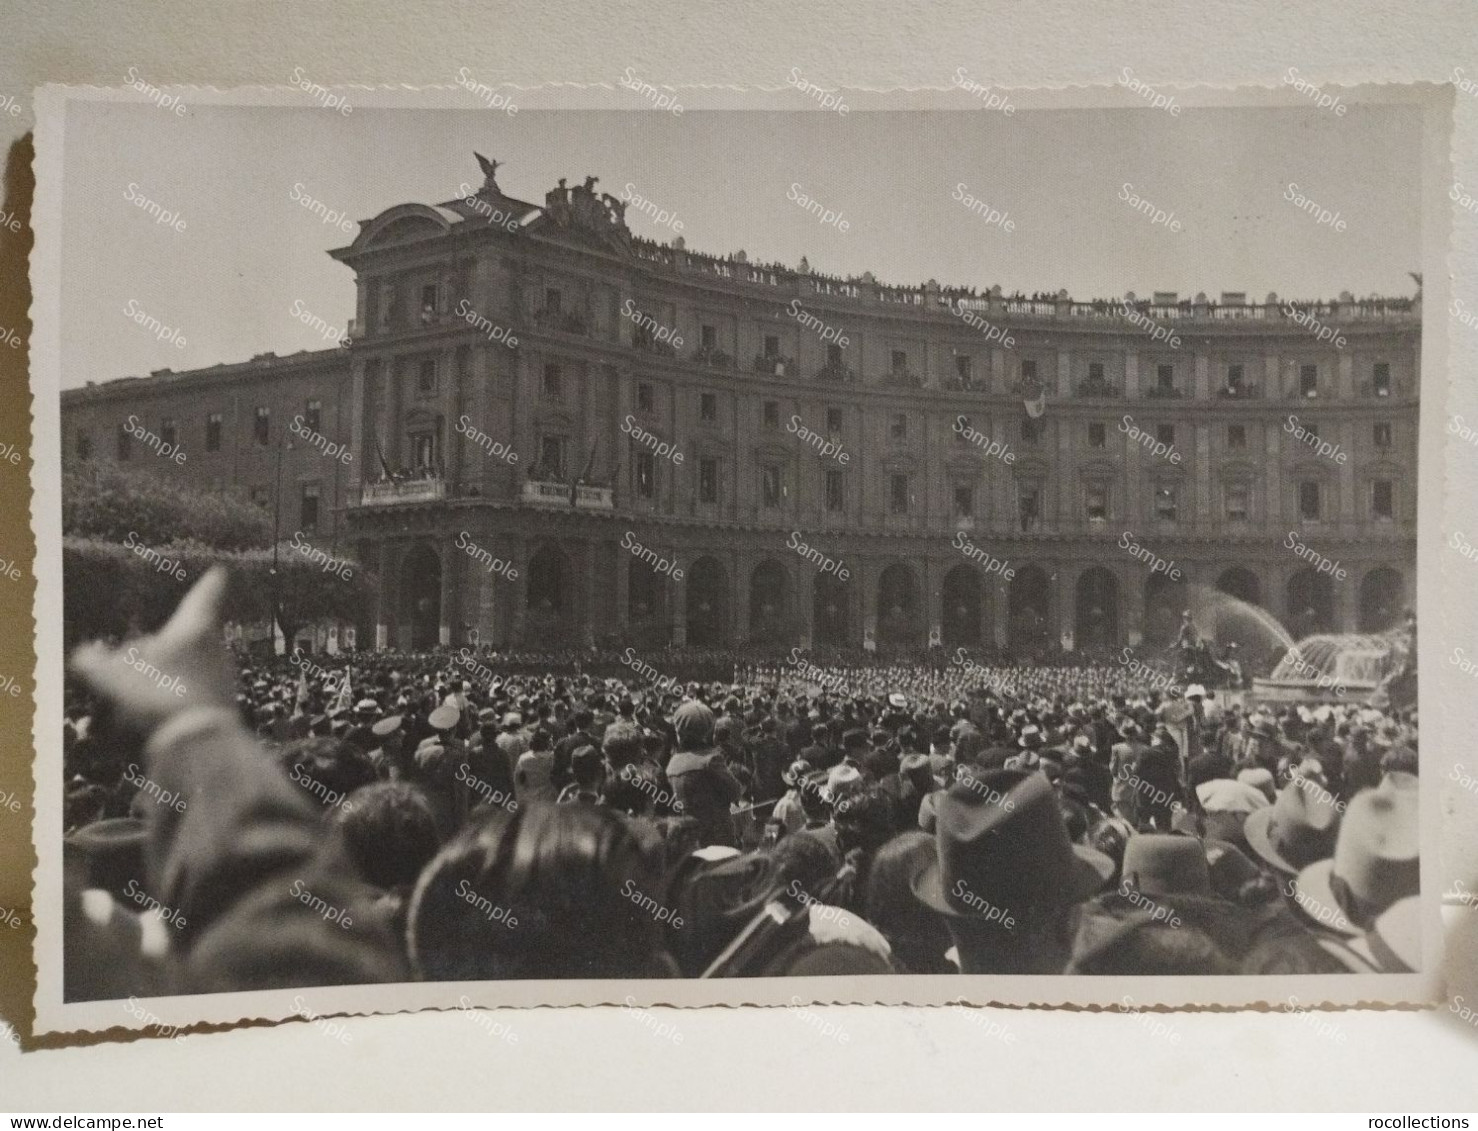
x=346, y=695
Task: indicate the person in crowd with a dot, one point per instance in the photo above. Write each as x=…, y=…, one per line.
x=1018, y=815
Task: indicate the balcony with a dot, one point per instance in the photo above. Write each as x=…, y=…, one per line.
x=389, y=492
x=773, y=366
x=713, y=357
x=564, y=321
x=901, y=379
x=552, y=493
x=1242, y=391
x=835, y=374
x=1099, y=388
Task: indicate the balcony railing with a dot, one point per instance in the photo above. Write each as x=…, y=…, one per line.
x=390, y=491
x=773, y=366
x=551, y=493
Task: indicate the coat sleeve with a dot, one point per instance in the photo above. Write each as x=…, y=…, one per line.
x=263, y=893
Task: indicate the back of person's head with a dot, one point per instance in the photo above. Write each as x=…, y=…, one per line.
x=326, y=769
x=548, y=892
x=865, y=818
x=805, y=859
x=389, y=830
x=541, y=741
x=588, y=767
x=622, y=744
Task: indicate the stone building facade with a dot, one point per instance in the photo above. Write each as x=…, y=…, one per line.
x=561, y=433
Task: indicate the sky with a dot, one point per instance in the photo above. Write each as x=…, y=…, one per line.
x=249, y=251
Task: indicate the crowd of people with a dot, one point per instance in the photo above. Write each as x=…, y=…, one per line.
x=449, y=816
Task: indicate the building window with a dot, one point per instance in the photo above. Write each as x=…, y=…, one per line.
x=1381, y=379
x=313, y=415
x=708, y=407
x=261, y=426
x=1028, y=505
x=1311, y=434
x=963, y=426
x=260, y=497
x=963, y=367
x=836, y=491
x=428, y=302
x=646, y=474
x=709, y=338
x=1237, y=436
x=1097, y=503
x=1095, y=372
x=1165, y=378
x=1165, y=434
x=1167, y=506
x=772, y=347
x=1380, y=434
x=1382, y=500
x=552, y=456
x=1028, y=369
x=964, y=501
x=834, y=421
x=708, y=480
x=1031, y=431
x=898, y=426
x=772, y=414
x=1097, y=434
x=1308, y=500
x=1308, y=380
x=423, y=451
x=644, y=397
x=898, y=494
x=1237, y=498
x=168, y=432
x=125, y=443
x=553, y=385
x=308, y=514
x=833, y=356
x=84, y=444
x=1234, y=381
x=770, y=484
x=426, y=377
x=213, y=432
x=553, y=300
x=900, y=361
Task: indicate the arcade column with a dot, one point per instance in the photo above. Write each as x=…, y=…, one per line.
x=385, y=605
x=451, y=570
x=804, y=603
x=933, y=582
x=677, y=596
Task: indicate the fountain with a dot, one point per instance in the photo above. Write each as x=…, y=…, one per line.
x=1329, y=667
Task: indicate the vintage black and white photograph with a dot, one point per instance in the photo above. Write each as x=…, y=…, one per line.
x=949, y=548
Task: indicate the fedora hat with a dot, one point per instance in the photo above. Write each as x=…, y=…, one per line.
x=1001, y=840
x=1166, y=864
x=1296, y=830
x=1375, y=862
x=1395, y=941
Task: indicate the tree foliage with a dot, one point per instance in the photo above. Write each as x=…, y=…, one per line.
x=106, y=502
x=134, y=545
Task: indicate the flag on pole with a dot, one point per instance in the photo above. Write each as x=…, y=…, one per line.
x=346, y=695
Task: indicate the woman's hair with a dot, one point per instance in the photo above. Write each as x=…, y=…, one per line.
x=548, y=892
x=389, y=830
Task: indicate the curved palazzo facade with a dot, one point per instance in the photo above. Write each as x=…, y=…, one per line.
x=561, y=434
